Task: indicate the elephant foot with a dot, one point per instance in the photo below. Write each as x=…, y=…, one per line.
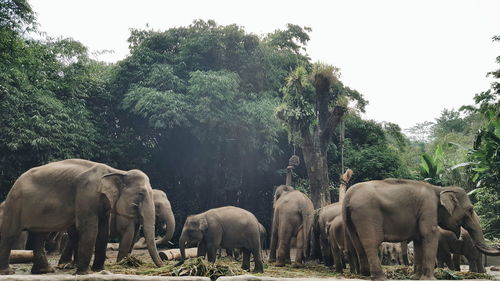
x=82, y=272
x=297, y=265
x=279, y=264
x=245, y=267
x=258, y=270
x=97, y=268
x=7, y=271
x=42, y=270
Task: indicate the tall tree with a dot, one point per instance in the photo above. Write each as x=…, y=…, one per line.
x=313, y=104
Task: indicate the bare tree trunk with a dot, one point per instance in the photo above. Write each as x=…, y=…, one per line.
x=317, y=172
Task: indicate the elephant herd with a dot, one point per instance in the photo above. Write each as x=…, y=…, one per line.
x=93, y=202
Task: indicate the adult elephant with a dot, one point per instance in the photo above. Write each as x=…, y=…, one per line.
x=226, y=227
x=20, y=243
x=325, y=215
x=293, y=217
x=450, y=244
x=126, y=229
x=75, y=192
x=395, y=210
x=339, y=241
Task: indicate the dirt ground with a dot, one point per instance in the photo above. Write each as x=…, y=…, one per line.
x=311, y=269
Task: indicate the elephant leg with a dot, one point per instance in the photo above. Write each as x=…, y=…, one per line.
x=370, y=247
x=101, y=243
x=325, y=250
x=337, y=258
x=69, y=249
x=202, y=249
x=87, y=235
x=284, y=237
x=40, y=263
x=417, y=263
x=299, y=253
x=364, y=267
x=455, y=261
x=479, y=264
x=404, y=251
x=245, y=265
x=429, y=247
x=126, y=240
x=257, y=258
x=211, y=253
x=447, y=261
x=8, y=239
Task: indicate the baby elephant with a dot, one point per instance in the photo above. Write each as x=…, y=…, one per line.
x=225, y=227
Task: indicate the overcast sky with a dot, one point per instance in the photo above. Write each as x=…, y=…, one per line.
x=410, y=59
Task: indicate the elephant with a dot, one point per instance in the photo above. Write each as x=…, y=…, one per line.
x=293, y=217
x=225, y=227
x=391, y=253
x=79, y=193
x=235, y=253
x=395, y=210
x=126, y=229
x=449, y=244
x=20, y=243
x=325, y=215
x=339, y=243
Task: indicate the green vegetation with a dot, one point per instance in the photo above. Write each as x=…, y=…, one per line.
x=212, y=113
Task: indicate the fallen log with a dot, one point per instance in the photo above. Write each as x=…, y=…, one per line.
x=175, y=254
x=21, y=256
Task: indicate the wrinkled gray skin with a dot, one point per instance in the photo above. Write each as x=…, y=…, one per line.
x=449, y=244
x=20, y=244
x=325, y=215
x=226, y=227
x=397, y=210
x=126, y=229
x=77, y=193
x=293, y=217
x=339, y=243
x=235, y=253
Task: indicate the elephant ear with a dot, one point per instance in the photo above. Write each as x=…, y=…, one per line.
x=448, y=200
x=203, y=224
x=110, y=186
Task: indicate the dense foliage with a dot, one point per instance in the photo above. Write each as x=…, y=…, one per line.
x=212, y=113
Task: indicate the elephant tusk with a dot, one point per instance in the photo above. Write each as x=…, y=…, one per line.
x=134, y=204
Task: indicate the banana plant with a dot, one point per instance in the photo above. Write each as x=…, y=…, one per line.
x=432, y=166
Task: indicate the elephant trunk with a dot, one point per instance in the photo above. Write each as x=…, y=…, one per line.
x=473, y=227
x=167, y=216
x=148, y=218
x=182, y=246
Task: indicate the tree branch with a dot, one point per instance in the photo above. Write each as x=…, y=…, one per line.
x=332, y=123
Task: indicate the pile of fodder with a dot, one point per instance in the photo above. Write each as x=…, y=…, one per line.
x=191, y=267
x=406, y=273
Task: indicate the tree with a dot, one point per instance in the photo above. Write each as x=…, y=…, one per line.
x=314, y=101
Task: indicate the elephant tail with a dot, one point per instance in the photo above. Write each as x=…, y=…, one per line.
x=307, y=227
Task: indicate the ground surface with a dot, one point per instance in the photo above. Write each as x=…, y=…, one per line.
x=141, y=264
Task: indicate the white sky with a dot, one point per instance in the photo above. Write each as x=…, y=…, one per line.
x=410, y=59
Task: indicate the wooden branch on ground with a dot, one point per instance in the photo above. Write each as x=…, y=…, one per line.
x=21, y=256
x=175, y=254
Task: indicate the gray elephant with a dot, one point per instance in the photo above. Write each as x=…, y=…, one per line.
x=391, y=253
x=325, y=215
x=226, y=227
x=450, y=244
x=396, y=210
x=293, y=217
x=339, y=242
x=20, y=244
x=126, y=229
x=75, y=192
